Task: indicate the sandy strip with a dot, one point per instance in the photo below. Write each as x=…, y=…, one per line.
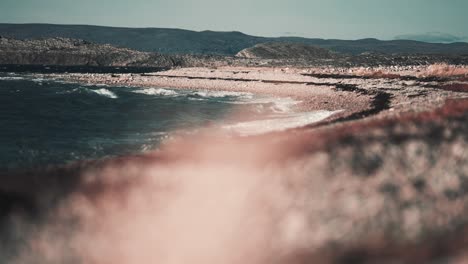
x=266, y=82
x=356, y=96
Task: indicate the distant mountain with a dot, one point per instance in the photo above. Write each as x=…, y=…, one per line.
x=284, y=50
x=433, y=37
x=142, y=39
x=210, y=42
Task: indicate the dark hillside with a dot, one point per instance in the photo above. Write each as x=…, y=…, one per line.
x=210, y=42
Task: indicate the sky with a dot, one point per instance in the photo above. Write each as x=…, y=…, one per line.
x=343, y=19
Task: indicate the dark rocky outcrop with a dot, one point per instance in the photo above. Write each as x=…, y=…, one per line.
x=63, y=51
x=75, y=52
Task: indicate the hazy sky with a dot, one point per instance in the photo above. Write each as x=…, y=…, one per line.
x=350, y=19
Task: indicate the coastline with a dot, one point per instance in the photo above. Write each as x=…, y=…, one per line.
x=310, y=98
x=386, y=177
x=357, y=92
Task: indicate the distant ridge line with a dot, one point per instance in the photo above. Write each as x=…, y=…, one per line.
x=184, y=41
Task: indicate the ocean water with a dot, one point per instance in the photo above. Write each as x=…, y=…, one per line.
x=45, y=121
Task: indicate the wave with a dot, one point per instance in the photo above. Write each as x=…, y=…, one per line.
x=195, y=95
x=38, y=80
x=222, y=94
x=196, y=99
x=156, y=91
x=296, y=120
x=94, y=84
x=104, y=92
x=278, y=105
x=11, y=78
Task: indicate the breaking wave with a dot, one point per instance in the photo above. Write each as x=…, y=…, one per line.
x=221, y=94
x=194, y=94
x=279, y=105
x=11, y=78
x=104, y=92
x=290, y=121
x=156, y=91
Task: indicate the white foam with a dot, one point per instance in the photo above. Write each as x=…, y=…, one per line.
x=105, y=92
x=95, y=85
x=11, y=78
x=68, y=91
x=195, y=99
x=296, y=120
x=220, y=94
x=280, y=105
x=38, y=80
x=156, y=91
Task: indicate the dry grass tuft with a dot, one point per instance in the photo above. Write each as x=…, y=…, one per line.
x=445, y=70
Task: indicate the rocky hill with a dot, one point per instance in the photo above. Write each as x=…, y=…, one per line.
x=170, y=41
x=283, y=50
x=63, y=51
x=73, y=52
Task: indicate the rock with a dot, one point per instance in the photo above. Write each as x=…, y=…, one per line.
x=73, y=52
